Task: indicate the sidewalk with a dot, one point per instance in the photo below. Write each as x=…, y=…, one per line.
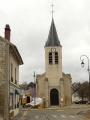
x=73, y=106
x=22, y=111
x=85, y=114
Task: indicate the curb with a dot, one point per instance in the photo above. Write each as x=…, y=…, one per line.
x=82, y=116
x=85, y=118
x=63, y=108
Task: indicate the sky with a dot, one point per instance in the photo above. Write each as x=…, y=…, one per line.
x=30, y=22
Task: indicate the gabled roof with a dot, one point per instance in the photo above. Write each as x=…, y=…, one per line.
x=14, y=49
x=67, y=75
x=52, y=37
x=16, y=52
x=40, y=75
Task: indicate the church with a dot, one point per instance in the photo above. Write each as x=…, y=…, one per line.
x=54, y=86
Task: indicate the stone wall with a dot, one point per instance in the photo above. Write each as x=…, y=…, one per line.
x=67, y=90
x=2, y=76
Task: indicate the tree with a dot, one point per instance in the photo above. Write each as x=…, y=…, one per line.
x=75, y=87
x=32, y=88
x=32, y=85
x=81, y=89
x=24, y=86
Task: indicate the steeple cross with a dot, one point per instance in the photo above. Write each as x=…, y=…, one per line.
x=52, y=10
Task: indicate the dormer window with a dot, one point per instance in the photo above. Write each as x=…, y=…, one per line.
x=56, y=58
x=50, y=58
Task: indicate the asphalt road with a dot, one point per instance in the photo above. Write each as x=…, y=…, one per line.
x=58, y=114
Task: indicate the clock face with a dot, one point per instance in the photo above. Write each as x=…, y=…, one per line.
x=53, y=49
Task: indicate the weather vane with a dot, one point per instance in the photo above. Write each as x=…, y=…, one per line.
x=52, y=10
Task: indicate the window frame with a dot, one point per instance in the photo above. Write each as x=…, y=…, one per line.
x=50, y=58
x=56, y=58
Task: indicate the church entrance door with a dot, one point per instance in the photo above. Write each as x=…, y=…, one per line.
x=54, y=97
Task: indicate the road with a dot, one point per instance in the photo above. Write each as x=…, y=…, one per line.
x=58, y=114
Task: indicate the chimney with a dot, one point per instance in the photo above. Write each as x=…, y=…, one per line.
x=7, y=32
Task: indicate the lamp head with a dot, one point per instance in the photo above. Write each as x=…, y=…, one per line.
x=82, y=64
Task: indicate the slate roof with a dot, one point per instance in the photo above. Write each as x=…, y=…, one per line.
x=52, y=37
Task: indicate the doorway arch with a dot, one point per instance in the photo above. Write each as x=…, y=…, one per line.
x=54, y=97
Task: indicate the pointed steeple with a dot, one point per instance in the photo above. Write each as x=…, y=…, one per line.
x=52, y=37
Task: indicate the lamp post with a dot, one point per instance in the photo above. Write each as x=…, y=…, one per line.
x=82, y=64
x=34, y=90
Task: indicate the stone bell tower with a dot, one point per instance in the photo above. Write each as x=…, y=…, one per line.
x=53, y=65
x=54, y=85
x=53, y=57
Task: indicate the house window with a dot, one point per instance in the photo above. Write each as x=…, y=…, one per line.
x=16, y=99
x=11, y=100
x=50, y=58
x=15, y=77
x=56, y=58
x=11, y=72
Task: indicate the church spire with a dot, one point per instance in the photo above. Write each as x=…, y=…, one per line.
x=52, y=37
x=52, y=11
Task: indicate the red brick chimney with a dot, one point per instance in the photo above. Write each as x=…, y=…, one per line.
x=7, y=32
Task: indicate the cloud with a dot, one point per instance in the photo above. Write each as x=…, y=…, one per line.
x=30, y=22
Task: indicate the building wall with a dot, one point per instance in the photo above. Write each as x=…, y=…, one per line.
x=54, y=79
x=6, y=87
x=15, y=70
x=62, y=101
x=53, y=71
x=40, y=92
x=67, y=90
x=14, y=98
x=2, y=76
x=14, y=84
x=4, y=80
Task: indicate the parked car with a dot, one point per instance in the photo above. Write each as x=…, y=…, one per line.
x=80, y=101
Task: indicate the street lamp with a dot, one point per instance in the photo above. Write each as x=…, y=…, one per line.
x=82, y=64
x=34, y=90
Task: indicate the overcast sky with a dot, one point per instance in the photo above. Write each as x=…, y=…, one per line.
x=30, y=22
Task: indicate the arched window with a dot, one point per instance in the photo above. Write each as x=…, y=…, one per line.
x=56, y=58
x=50, y=58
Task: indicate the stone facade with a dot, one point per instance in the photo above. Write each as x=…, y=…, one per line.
x=10, y=60
x=53, y=70
x=4, y=98
x=54, y=85
x=64, y=89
